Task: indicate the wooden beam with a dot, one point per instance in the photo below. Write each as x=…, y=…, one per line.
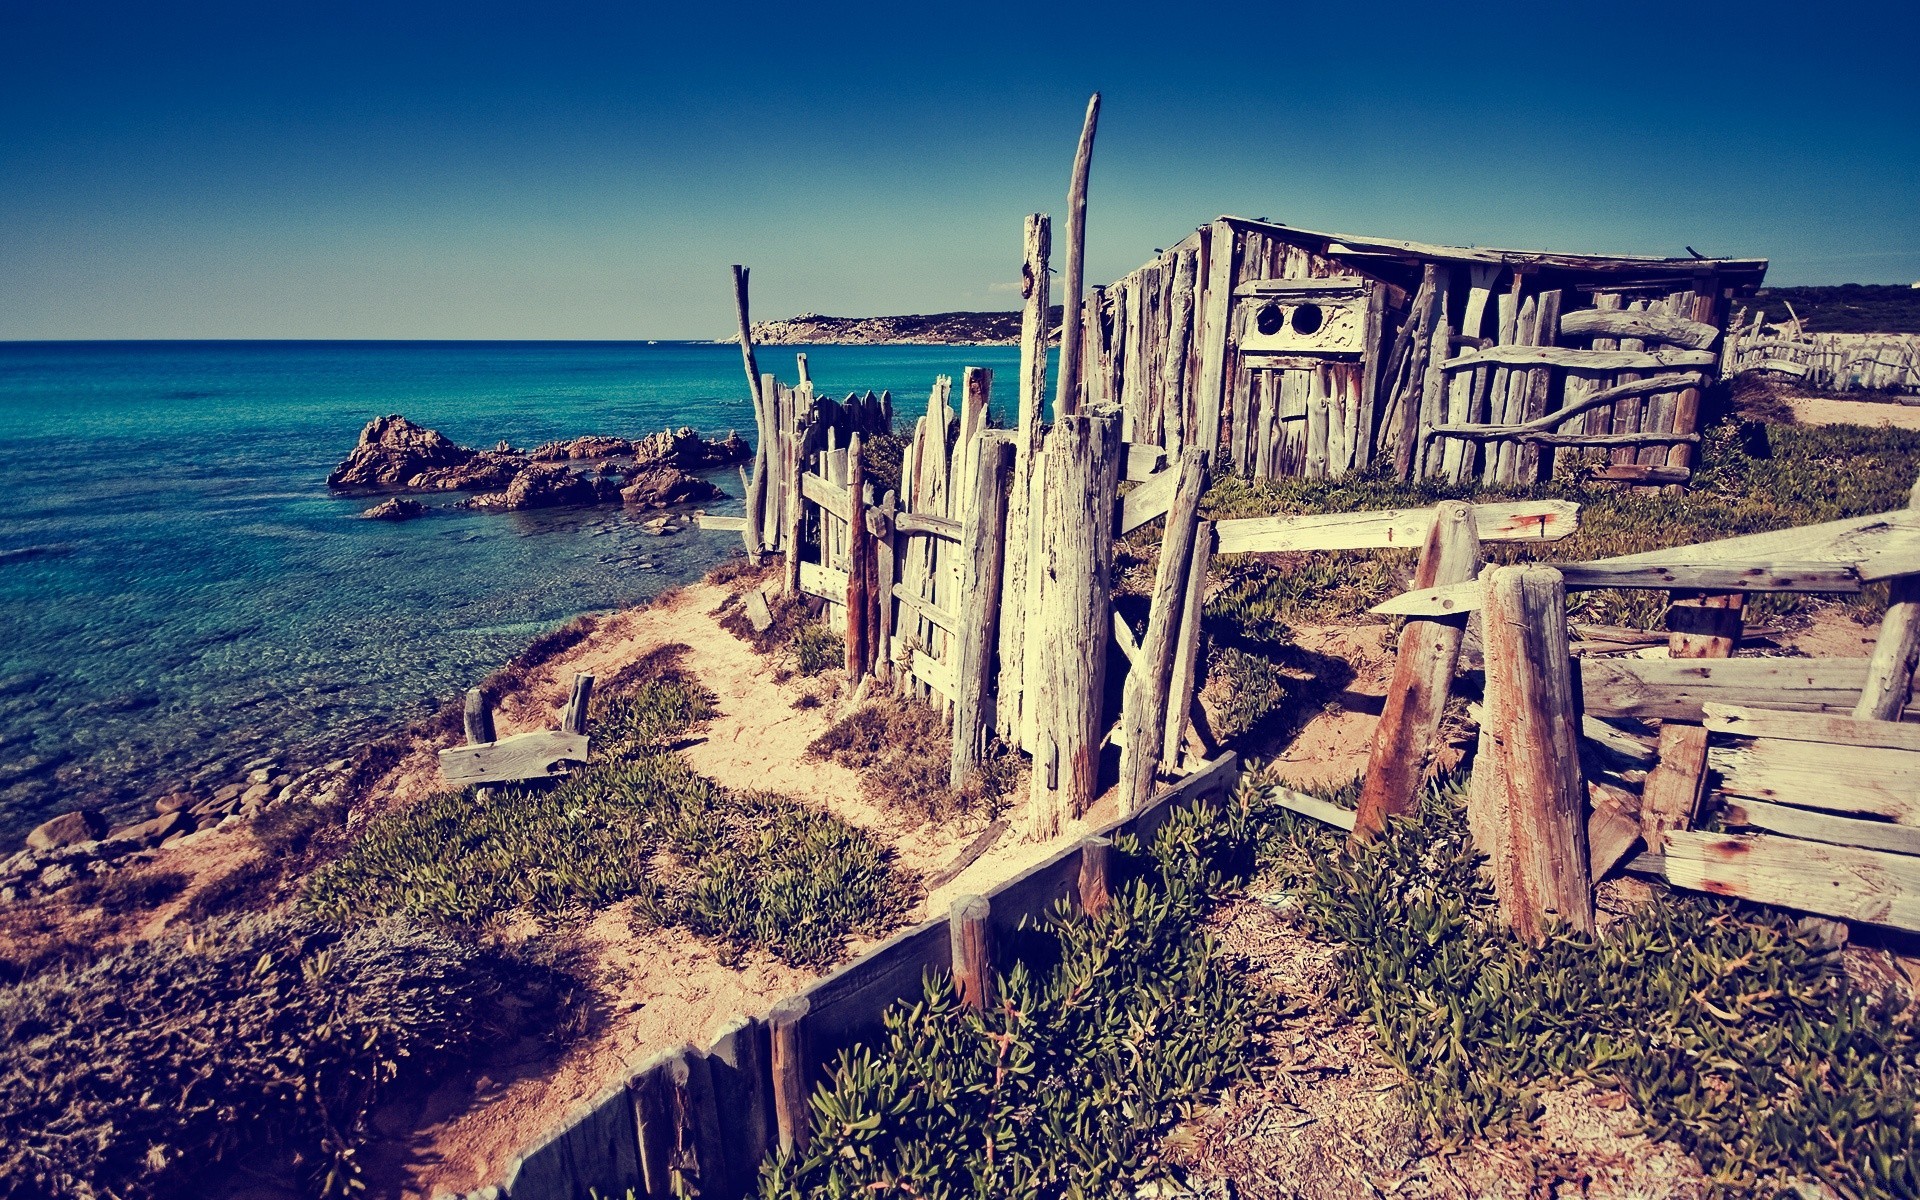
x=1847, y=882
x=1147, y=501
x=932, y=672
x=828, y=583
x=1527, y=807
x=1186, y=654
x=860, y=574
x=792, y=1068
x=1598, y=362
x=1091, y=887
x=972, y=939
x=1867, y=780
x=1066, y=397
x=1813, y=826
x=1748, y=721
x=1879, y=546
x=1675, y=689
x=982, y=554
x=1825, y=578
x=825, y=494
x=1402, y=749
x=542, y=754
x=1647, y=325
x=1401, y=528
x=1217, y=313
x=1897, y=651
x=930, y=526
x=713, y=523
x=1705, y=625
x=1671, y=798
x=1143, y=715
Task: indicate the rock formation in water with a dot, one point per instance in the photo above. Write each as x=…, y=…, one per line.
x=394, y=454
x=399, y=508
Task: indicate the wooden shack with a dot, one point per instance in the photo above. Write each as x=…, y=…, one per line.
x=1297, y=353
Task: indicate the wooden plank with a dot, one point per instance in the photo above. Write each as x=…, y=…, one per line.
x=742, y=1079
x=1123, y=638
x=982, y=553
x=1647, y=325
x=1147, y=501
x=1217, y=309
x=925, y=610
x=828, y=583
x=932, y=672
x=1671, y=797
x=1144, y=460
x=573, y=714
x=1066, y=398
x=1825, y=578
x=1810, y=825
x=758, y=614
x=1847, y=882
x=846, y=1006
x=1391, y=528
x=1144, y=710
x=1879, y=546
x=596, y=1146
x=1527, y=804
x=1599, y=362
x=1749, y=721
x=825, y=494
x=793, y=1070
x=542, y=754
x=1897, y=650
x=930, y=526
x=1675, y=689
x=1847, y=779
x=720, y=524
x=1186, y=655
x=1332, y=285
x=1312, y=806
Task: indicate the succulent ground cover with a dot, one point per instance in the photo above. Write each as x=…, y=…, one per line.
x=742, y=869
x=1730, y=1026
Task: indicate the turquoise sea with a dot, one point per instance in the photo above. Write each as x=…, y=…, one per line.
x=179, y=593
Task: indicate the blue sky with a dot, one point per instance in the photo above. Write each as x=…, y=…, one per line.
x=581, y=170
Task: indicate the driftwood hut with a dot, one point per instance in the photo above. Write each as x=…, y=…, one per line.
x=1310, y=354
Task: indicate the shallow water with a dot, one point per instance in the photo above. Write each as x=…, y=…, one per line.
x=179, y=594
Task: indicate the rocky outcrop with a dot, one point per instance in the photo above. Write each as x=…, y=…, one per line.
x=582, y=449
x=487, y=471
x=392, y=450
x=545, y=485
x=664, y=487
x=68, y=829
x=687, y=450
x=397, y=509
x=931, y=329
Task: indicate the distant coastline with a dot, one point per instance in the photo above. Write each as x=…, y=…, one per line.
x=929, y=329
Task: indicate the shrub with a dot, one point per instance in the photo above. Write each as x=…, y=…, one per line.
x=1727, y=1023
x=1061, y=1088
x=904, y=752
x=130, y=891
x=129, y=1076
x=815, y=648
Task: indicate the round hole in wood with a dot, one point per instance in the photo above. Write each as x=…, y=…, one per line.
x=1270, y=319
x=1307, y=319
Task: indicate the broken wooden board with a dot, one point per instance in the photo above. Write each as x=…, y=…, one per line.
x=1842, y=579
x=1603, y=362
x=925, y=610
x=758, y=614
x=1393, y=528
x=541, y=754
x=932, y=672
x=1147, y=501
x=1676, y=689
x=1747, y=721
x=1813, y=826
x=1879, y=546
x=828, y=583
x=827, y=495
x=1844, y=779
x=723, y=524
x=1312, y=806
x=981, y=843
x=1647, y=325
x=1143, y=461
x=940, y=527
x=1834, y=881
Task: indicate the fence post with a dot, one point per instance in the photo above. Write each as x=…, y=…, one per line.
x=1094, y=897
x=1066, y=399
x=972, y=951
x=1402, y=746
x=1527, y=808
x=977, y=605
x=737, y=1063
x=1186, y=652
x=1010, y=695
x=1890, y=670
x=859, y=566
x=886, y=541
x=1143, y=716
x=1072, y=625
x=573, y=716
x=792, y=1073
x=478, y=719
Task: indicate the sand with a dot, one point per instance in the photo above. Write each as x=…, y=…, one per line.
x=1822, y=410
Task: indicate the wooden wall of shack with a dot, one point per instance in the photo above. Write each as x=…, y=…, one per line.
x=1482, y=365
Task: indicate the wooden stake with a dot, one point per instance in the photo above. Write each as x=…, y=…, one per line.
x=972, y=951
x=1072, y=623
x=1704, y=624
x=1403, y=749
x=756, y=488
x=1066, y=399
x=478, y=719
x=1216, y=306
x=982, y=550
x=792, y=1073
x=573, y=716
x=1010, y=699
x=886, y=559
x=1895, y=654
x=1186, y=654
x=1143, y=716
x=859, y=568
x=1093, y=875
x=1527, y=809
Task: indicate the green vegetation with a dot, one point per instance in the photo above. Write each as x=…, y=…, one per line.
x=815, y=648
x=128, y=1077
x=1730, y=1026
x=1062, y=1087
x=1846, y=308
x=741, y=869
x=904, y=751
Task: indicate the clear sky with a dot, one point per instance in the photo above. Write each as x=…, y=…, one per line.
x=282, y=168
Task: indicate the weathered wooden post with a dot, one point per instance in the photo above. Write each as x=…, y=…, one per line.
x=756, y=487
x=1527, y=807
x=1066, y=399
x=1072, y=625
x=886, y=541
x=1402, y=748
x=977, y=606
x=1094, y=896
x=1143, y=715
x=859, y=567
x=739, y=1067
x=573, y=715
x=792, y=440
x=1186, y=652
x=478, y=719
x=972, y=951
x=1016, y=589
x=792, y=1073
x=1897, y=652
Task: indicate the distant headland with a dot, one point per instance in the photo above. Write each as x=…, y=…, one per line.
x=929, y=329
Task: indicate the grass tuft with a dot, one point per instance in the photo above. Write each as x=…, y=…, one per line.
x=904, y=751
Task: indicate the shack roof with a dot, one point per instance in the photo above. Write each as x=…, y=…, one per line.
x=1735, y=272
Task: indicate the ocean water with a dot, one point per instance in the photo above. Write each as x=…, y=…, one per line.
x=180, y=594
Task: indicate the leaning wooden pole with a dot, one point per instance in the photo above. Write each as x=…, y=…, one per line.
x=1010, y=695
x=1403, y=742
x=1527, y=808
x=982, y=553
x=859, y=567
x=1143, y=715
x=1066, y=399
x=1080, y=471
x=756, y=497
x=1186, y=651
x=1896, y=653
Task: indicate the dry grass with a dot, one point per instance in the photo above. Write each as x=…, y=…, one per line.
x=904, y=752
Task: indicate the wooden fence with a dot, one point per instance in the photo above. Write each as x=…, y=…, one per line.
x=1834, y=362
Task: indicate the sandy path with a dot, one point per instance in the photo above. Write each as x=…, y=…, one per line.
x=1819, y=410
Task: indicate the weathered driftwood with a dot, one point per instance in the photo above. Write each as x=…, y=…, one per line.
x=861, y=616
x=1595, y=361
x=1091, y=884
x=1846, y=779
x=1074, y=557
x=478, y=717
x=932, y=672
x=970, y=854
x=928, y=525
x=1016, y=591
x=1527, y=807
x=1144, y=712
x=1147, y=501
x=1705, y=624
x=1066, y=398
x=1746, y=721
x=926, y=611
x=1186, y=651
x=1671, y=798
x=824, y=493
x=542, y=754
x=1217, y=313
x=1402, y=748
x=1593, y=400
x=982, y=553
x=1508, y=521
x=972, y=951
x=828, y=583
x=1675, y=690
x=1880, y=546
x=1655, y=576
x=1311, y=806
x=1835, y=881
x=1646, y=325
x=1815, y=826
x=756, y=486
x=741, y=1075
x=573, y=715
x=1897, y=651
